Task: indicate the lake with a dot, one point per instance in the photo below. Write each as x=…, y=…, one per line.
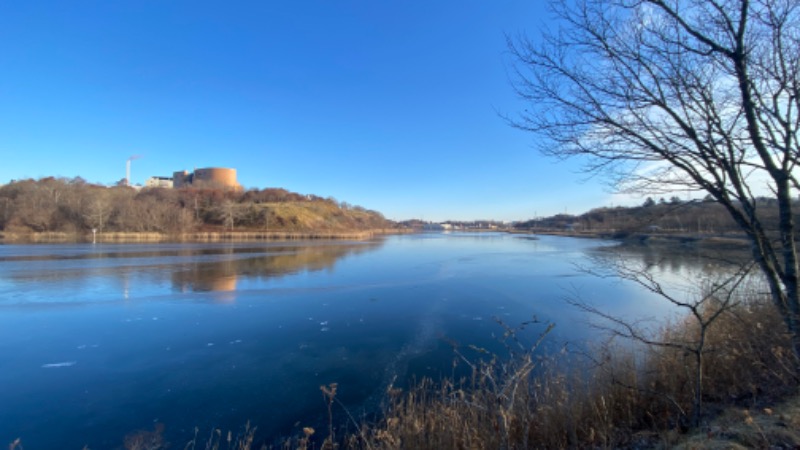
x=100, y=340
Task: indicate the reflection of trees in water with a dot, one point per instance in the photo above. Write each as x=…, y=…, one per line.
x=193, y=268
x=684, y=261
x=280, y=261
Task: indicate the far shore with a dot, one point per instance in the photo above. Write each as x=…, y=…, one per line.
x=212, y=236
x=641, y=238
x=629, y=238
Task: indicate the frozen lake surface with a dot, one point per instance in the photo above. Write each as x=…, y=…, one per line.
x=100, y=340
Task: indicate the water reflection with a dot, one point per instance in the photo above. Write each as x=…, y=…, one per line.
x=106, y=272
x=686, y=261
x=683, y=271
x=223, y=275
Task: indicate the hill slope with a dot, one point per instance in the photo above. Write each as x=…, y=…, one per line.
x=75, y=206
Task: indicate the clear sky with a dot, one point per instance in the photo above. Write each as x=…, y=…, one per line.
x=391, y=104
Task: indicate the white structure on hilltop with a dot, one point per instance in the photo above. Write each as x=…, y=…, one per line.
x=161, y=182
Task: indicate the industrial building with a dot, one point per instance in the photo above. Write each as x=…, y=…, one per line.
x=159, y=182
x=207, y=177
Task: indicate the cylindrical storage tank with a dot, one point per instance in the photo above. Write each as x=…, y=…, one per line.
x=216, y=175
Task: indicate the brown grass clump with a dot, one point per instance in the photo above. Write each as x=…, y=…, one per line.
x=777, y=428
x=145, y=439
x=239, y=235
x=217, y=440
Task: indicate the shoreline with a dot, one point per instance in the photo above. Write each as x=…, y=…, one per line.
x=654, y=239
x=204, y=236
x=634, y=238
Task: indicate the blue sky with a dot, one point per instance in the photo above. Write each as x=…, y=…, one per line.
x=392, y=105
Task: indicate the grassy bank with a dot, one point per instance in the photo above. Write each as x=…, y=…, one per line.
x=657, y=239
x=208, y=236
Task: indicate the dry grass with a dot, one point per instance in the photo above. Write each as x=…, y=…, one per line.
x=319, y=215
x=120, y=236
x=145, y=439
x=217, y=440
x=52, y=236
x=210, y=236
x=739, y=428
x=275, y=235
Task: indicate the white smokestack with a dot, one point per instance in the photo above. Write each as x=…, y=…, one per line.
x=128, y=169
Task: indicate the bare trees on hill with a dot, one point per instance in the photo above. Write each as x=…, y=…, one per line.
x=75, y=206
x=706, y=218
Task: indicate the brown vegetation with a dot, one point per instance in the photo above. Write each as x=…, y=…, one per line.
x=56, y=208
x=698, y=218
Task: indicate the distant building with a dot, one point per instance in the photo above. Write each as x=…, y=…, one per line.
x=159, y=182
x=181, y=179
x=574, y=226
x=433, y=227
x=209, y=177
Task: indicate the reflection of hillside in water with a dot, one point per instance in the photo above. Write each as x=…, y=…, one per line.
x=686, y=262
x=222, y=276
x=137, y=271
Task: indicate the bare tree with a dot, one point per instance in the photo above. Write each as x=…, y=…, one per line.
x=98, y=212
x=229, y=211
x=36, y=210
x=715, y=298
x=265, y=214
x=667, y=95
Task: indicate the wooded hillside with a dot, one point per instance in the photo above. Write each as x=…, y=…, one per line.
x=76, y=206
x=663, y=216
